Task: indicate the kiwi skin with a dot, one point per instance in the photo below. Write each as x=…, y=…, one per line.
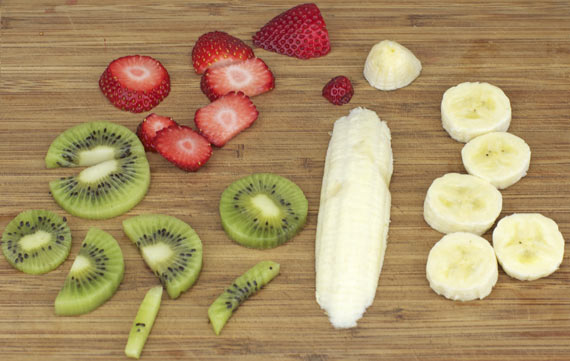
x=240, y=290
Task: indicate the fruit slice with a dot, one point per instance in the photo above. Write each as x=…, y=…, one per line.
x=36, y=241
x=462, y=203
x=528, y=245
x=391, y=66
x=263, y=210
x=225, y=117
x=94, y=276
x=147, y=129
x=300, y=32
x=135, y=83
x=142, y=325
x=251, y=76
x=472, y=109
x=183, y=147
x=240, y=290
x=462, y=267
x=92, y=143
x=354, y=215
x=338, y=90
x=170, y=248
x=105, y=190
x=500, y=158
x=218, y=48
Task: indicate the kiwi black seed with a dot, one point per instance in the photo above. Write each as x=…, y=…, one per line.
x=263, y=210
x=36, y=241
x=170, y=248
x=94, y=276
x=118, y=175
x=240, y=290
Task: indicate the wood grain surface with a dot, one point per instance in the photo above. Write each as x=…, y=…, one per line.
x=52, y=54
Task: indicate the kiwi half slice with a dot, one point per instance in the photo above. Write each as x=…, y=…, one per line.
x=143, y=322
x=240, y=290
x=118, y=175
x=36, y=241
x=94, y=276
x=263, y=210
x=170, y=247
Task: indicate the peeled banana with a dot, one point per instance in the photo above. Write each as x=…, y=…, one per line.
x=354, y=214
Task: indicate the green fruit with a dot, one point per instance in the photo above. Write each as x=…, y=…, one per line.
x=143, y=322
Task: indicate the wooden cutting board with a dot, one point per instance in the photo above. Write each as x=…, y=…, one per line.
x=52, y=54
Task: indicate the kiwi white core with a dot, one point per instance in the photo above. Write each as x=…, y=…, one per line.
x=156, y=254
x=81, y=263
x=265, y=205
x=35, y=240
x=96, y=155
x=99, y=171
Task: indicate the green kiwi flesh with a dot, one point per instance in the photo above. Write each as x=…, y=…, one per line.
x=94, y=276
x=169, y=247
x=143, y=322
x=263, y=210
x=105, y=190
x=92, y=143
x=241, y=289
x=36, y=241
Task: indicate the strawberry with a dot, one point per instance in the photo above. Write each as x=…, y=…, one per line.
x=225, y=117
x=182, y=146
x=220, y=48
x=135, y=83
x=148, y=128
x=251, y=76
x=300, y=32
x=338, y=90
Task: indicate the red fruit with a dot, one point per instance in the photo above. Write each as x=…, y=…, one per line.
x=300, y=32
x=338, y=90
x=151, y=125
x=184, y=147
x=135, y=83
x=220, y=48
x=224, y=118
x=251, y=76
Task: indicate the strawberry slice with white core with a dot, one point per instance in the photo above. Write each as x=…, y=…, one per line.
x=225, y=117
x=183, y=147
x=148, y=128
x=142, y=73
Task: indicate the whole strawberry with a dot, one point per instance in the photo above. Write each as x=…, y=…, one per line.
x=338, y=90
x=217, y=47
x=300, y=32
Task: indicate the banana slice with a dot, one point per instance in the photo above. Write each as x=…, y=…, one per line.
x=462, y=267
x=462, y=203
x=391, y=66
x=499, y=157
x=472, y=109
x=528, y=245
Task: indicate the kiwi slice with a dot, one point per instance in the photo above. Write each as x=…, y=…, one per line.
x=94, y=276
x=92, y=143
x=170, y=247
x=36, y=241
x=143, y=322
x=263, y=210
x=241, y=288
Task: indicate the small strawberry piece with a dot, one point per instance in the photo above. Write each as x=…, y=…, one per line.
x=300, y=32
x=135, y=83
x=218, y=48
x=338, y=90
x=148, y=128
x=251, y=76
x=184, y=147
x=225, y=117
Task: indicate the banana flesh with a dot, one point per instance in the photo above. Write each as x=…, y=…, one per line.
x=391, y=66
x=354, y=216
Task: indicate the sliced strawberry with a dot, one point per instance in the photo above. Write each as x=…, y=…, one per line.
x=184, y=147
x=251, y=76
x=148, y=128
x=219, y=48
x=225, y=117
x=300, y=32
x=135, y=83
